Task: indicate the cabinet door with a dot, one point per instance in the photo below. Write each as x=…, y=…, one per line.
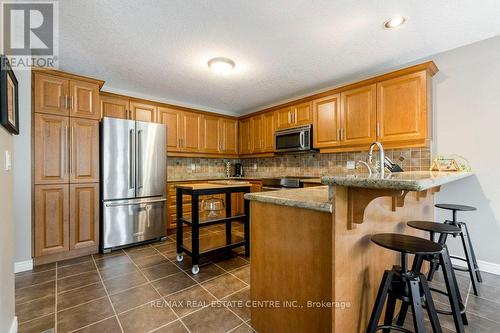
x=326, y=121
x=51, y=95
x=171, y=118
x=245, y=140
x=302, y=114
x=191, y=132
x=51, y=219
x=144, y=112
x=283, y=118
x=229, y=130
x=268, y=128
x=115, y=107
x=84, y=215
x=84, y=154
x=51, y=149
x=210, y=133
x=402, y=108
x=84, y=100
x=359, y=115
x=256, y=133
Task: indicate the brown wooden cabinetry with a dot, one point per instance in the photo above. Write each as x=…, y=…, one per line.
x=245, y=137
x=358, y=109
x=171, y=118
x=256, y=134
x=115, y=107
x=229, y=135
x=402, y=108
x=294, y=116
x=191, y=132
x=144, y=112
x=326, y=121
x=268, y=129
x=66, y=166
x=211, y=134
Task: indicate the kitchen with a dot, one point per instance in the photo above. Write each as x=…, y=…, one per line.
x=180, y=196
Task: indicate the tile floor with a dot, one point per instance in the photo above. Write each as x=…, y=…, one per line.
x=144, y=289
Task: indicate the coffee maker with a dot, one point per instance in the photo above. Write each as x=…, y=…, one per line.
x=238, y=170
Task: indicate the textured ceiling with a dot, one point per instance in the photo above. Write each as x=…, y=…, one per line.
x=281, y=48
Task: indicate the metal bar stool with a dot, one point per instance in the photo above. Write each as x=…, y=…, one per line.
x=470, y=256
x=452, y=290
x=409, y=286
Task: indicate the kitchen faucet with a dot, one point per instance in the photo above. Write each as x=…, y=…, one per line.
x=380, y=168
x=366, y=165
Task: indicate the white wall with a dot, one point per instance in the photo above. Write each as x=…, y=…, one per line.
x=22, y=170
x=467, y=122
x=6, y=237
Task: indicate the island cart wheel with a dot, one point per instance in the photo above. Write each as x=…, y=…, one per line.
x=180, y=257
x=195, y=269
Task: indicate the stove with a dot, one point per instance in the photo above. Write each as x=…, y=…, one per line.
x=275, y=184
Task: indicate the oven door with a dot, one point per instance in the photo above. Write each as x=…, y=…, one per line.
x=295, y=139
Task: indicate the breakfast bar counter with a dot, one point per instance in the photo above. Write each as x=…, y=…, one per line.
x=312, y=257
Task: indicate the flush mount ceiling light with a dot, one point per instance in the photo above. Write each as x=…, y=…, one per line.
x=394, y=22
x=221, y=65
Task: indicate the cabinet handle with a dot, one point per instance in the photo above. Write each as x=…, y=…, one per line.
x=71, y=152
x=65, y=101
x=64, y=160
x=289, y=117
x=378, y=129
x=338, y=134
x=342, y=134
x=293, y=116
x=71, y=104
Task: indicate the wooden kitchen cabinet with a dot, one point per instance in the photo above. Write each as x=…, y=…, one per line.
x=229, y=135
x=51, y=150
x=191, y=131
x=359, y=116
x=326, y=121
x=84, y=100
x=210, y=133
x=268, y=129
x=256, y=134
x=51, y=94
x=84, y=150
x=84, y=215
x=294, y=116
x=402, y=108
x=283, y=118
x=51, y=228
x=171, y=118
x=245, y=137
x=115, y=107
x=144, y=112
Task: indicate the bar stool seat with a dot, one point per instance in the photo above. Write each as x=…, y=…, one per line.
x=406, y=244
x=460, y=208
x=440, y=228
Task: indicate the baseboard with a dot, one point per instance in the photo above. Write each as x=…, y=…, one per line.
x=484, y=266
x=23, y=266
x=13, y=326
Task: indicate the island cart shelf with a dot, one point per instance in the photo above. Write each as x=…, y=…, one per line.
x=197, y=249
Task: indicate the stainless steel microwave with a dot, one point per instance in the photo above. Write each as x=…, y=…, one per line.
x=293, y=139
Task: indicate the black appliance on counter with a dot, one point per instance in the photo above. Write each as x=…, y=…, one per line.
x=238, y=170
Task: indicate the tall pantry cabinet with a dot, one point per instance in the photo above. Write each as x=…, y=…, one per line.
x=65, y=141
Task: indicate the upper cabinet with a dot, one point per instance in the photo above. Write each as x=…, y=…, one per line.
x=402, y=109
x=211, y=134
x=257, y=133
x=144, y=112
x=191, y=131
x=115, y=107
x=229, y=136
x=326, y=121
x=358, y=116
x=171, y=118
x=62, y=96
x=268, y=129
x=245, y=137
x=293, y=116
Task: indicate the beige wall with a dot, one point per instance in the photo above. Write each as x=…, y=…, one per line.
x=6, y=236
x=467, y=122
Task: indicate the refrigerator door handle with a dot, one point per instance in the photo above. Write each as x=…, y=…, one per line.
x=139, y=158
x=134, y=203
x=132, y=160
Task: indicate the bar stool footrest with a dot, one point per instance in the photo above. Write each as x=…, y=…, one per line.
x=462, y=307
x=458, y=258
x=461, y=269
x=392, y=327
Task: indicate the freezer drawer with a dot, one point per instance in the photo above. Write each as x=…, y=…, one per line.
x=130, y=221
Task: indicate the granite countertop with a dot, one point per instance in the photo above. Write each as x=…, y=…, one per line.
x=407, y=181
x=311, y=180
x=315, y=198
x=182, y=178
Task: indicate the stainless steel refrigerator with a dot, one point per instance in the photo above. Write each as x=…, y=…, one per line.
x=133, y=182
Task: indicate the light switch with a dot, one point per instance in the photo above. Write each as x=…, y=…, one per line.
x=193, y=166
x=351, y=165
x=255, y=167
x=8, y=162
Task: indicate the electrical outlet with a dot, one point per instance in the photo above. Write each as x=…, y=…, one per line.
x=193, y=166
x=8, y=161
x=255, y=167
x=351, y=165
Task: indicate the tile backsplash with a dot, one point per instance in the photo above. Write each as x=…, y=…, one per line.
x=303, y=164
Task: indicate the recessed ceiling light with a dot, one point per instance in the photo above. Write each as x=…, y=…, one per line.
x=394, y=22
x=221, y=65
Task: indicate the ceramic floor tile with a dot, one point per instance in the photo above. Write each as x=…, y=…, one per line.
x=175, y=327
x=80, y=295
x=133, y=297
x=108, y=262
x=242, y=274
x=35, y=309
x=83, y=315
x=146, y=318
x=211, y=320
x=143, y=262
x=30, y=278
x=206, y=272
x=109, y=325
x=223, y=285
x=36, y=291
x=145, y=252
x=63, y=272
x=238, y=303
x=117, y=270
x=38, y=325
x=161, y=270
x=232, y=263
x=173, y=283
x=189, y=300
x=123, y=282
x=73, y=261
x=77, y=281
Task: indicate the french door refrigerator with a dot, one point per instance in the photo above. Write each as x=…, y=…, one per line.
x=133, y=182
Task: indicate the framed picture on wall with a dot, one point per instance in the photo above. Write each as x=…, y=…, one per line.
x=9, y=97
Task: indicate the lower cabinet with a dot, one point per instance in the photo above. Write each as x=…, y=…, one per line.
x=66, y=219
